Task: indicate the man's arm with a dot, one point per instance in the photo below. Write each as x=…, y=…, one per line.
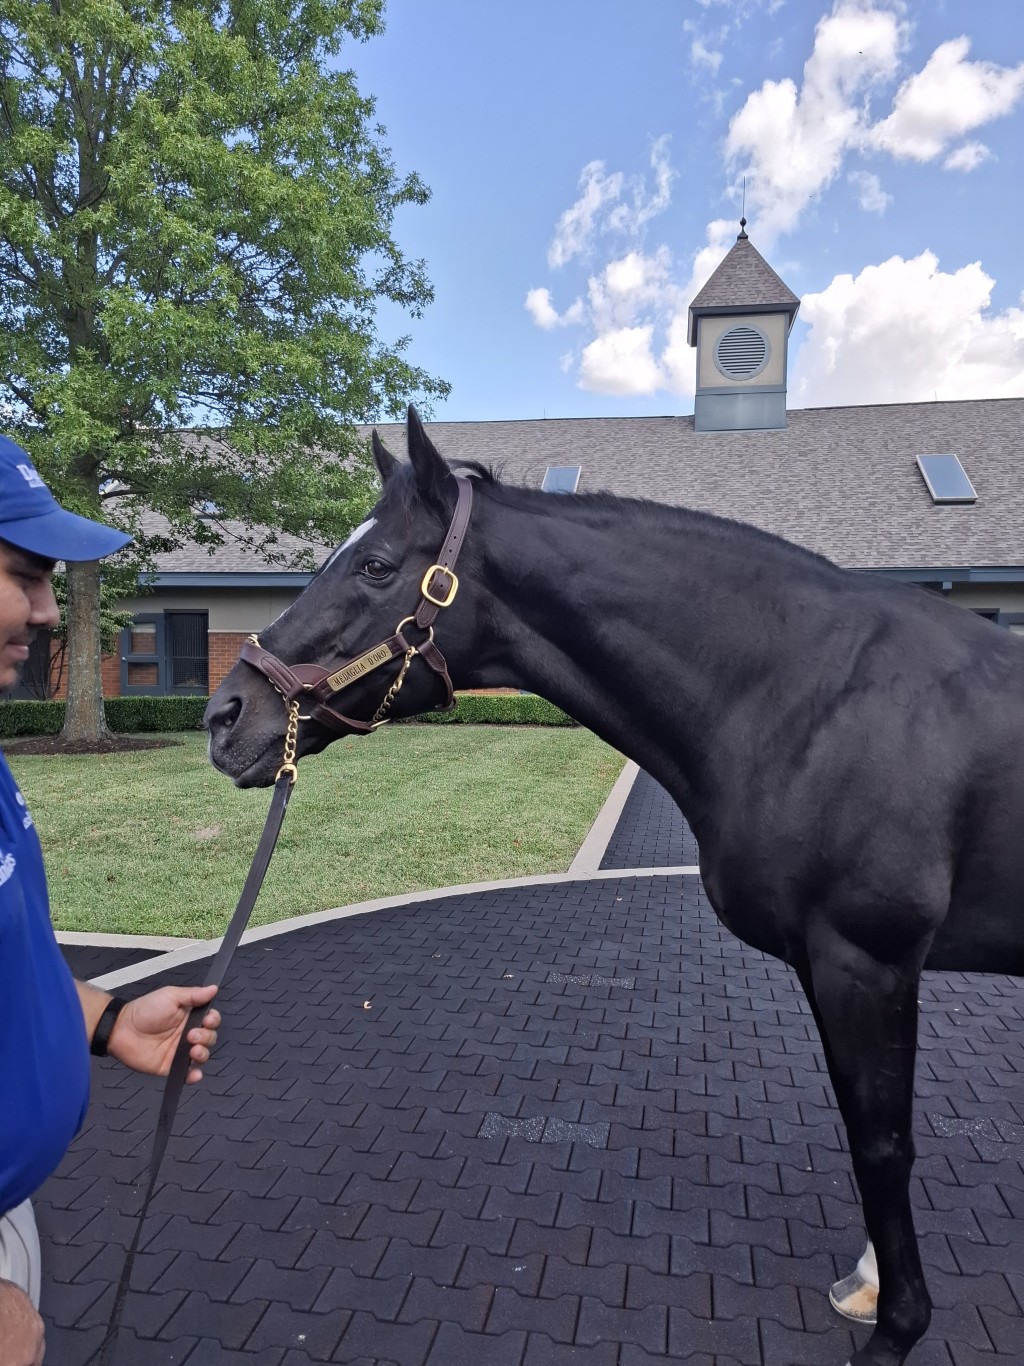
x=22, y=1335
x=145, y=1036
x=94, y=1002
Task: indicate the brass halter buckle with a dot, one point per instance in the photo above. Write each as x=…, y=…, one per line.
x=453, y=585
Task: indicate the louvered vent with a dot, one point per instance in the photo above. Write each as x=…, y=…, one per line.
x=742, y=352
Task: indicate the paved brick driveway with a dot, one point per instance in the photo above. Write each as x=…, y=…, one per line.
x=575, y=1124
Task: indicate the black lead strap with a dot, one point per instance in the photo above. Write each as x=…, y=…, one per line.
x=181, y=1063
x=292, y=685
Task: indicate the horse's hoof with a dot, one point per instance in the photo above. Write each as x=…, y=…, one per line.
x=855, y=1299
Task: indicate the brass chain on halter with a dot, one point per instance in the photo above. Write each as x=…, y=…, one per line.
x=392, y=692
x=291, y=740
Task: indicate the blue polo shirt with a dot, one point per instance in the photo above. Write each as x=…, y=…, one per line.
x=44, y=1054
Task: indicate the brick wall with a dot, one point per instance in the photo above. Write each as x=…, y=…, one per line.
x=224, y=648
x=110, y=668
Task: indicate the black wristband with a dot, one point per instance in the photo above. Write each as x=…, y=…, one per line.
x=105, y=1026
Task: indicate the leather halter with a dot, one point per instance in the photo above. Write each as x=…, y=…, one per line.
x=314, y=686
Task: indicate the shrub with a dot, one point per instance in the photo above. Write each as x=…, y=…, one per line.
x=502, y=709
x=30, y=718
x=130, y=715
x=124, y=715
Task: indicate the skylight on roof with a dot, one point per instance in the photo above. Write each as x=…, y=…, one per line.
x=561, y=478
x=946, y=479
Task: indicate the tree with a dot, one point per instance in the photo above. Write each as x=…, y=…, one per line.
x=196, y=211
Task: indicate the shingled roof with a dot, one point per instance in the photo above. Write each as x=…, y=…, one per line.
x=840, y=481
x=744, y=281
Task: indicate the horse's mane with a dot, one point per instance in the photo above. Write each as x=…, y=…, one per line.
x=602, y=508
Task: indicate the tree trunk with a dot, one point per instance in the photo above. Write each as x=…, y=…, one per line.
x=83, y=715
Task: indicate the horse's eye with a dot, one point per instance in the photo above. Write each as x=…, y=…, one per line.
x=376, y=569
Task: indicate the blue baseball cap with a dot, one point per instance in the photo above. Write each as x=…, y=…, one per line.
x=33, y=520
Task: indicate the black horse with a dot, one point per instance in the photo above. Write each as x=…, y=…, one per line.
x=848, y=751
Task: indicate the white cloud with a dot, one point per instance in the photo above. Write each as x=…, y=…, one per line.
x=632, y=302
x=621, y=362
x=899, y=330
x=544, y=314
x=906, y=331
x=967, y=158
x=700, y=55
x=947, y=98
x=870, y=195
x=602, y=207
x=540, y=308
x=790, y=142
x=629, y=286
x=627, y=292
x=575, y=228
x=630, y=218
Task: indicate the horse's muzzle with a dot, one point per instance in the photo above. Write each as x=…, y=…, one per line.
x=242, y=745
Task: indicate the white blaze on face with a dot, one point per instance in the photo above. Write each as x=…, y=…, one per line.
x=357, y=535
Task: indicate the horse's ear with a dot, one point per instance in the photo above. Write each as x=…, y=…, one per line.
x=428, y=462
x=384, y=460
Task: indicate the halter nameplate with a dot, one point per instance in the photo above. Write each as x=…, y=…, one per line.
x=365, y=664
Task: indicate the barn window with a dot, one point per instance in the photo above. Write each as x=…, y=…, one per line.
x=561, y=478
x=946, y=479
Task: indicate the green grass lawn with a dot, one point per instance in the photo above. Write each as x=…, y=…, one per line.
x=158, y=842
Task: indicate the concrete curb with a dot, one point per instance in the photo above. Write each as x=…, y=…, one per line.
x=591, y=851
x=206, y=948
x=161, y=943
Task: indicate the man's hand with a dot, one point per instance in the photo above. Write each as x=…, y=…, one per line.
x=146, y=1034
x=22, y=1335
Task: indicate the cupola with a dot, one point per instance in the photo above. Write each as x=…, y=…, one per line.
x=740, y=324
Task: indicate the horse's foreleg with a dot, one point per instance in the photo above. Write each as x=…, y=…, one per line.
x=867, y=1013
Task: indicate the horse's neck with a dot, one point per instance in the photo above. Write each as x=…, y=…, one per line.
x=643, y=630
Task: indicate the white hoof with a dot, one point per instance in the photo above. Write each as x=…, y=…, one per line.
x=855, y=1298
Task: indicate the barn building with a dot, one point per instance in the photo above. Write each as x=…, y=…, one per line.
x=926, y=492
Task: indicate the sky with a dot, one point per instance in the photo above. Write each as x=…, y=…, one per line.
x=587, y=160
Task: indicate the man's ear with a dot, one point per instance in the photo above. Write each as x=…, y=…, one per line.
x=384, y=460
x=430, y=466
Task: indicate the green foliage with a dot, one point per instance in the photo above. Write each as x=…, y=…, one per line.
x=196, y=215
x=30, y=718
x=502, y=709
x=195, y=218
x=129, y=714
x=124, y=714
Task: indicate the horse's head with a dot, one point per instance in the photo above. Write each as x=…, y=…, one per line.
x=368, y=590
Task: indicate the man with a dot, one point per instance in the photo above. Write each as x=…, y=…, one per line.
x=49, y=1022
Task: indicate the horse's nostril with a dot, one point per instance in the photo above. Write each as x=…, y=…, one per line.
x=224, y=716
